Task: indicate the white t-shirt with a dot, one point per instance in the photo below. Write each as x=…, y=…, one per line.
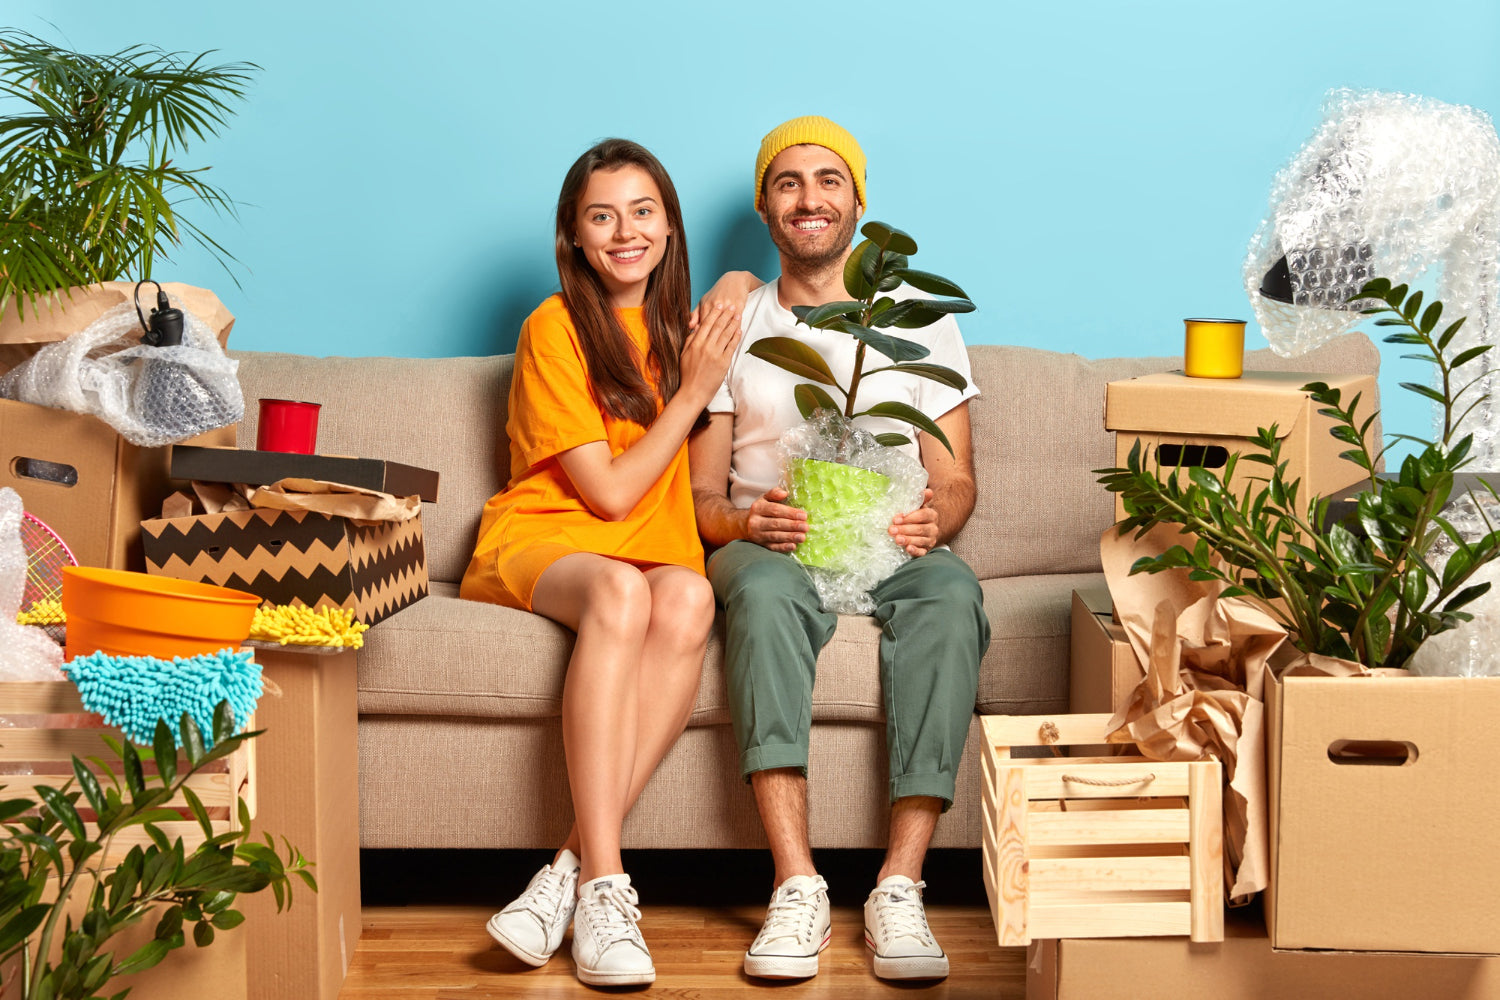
x=759, y=394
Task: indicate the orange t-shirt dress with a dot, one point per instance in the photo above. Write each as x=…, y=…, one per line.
x=540, y=517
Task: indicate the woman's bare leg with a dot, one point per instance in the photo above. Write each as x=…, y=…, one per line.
x=682, y=613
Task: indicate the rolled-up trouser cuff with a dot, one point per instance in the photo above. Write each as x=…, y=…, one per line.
x=767, y=757
x=938, y=786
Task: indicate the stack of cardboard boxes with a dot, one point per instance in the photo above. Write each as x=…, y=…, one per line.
x=1381, y=802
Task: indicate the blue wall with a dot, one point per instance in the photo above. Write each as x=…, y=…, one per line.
x=1090, y=171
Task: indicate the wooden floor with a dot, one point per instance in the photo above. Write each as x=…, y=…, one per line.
x=427, y=952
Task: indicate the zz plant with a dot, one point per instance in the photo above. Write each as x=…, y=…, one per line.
x=1363, y=587
x=879, y=264
x=91, y=177
x=52, y=866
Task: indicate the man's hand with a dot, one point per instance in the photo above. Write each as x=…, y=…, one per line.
x=917, y=530
x=775, y=525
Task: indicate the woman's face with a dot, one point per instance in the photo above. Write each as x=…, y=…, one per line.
x=621, y=226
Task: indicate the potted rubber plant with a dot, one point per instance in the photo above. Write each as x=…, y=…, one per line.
x=1363, y=587
x=92, y=181
x=62, y=902
x=879, y=264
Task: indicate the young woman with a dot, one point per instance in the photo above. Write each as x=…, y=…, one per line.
x=595, y=530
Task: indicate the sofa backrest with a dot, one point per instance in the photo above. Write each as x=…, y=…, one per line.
x=1038, y=434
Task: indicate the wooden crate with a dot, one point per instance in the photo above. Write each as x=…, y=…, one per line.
x=1080, y=847
x=38, y=746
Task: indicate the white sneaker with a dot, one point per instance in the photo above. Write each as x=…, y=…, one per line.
x=896, y=930
x=797, y=928
x=607, y=945
x=532, y=927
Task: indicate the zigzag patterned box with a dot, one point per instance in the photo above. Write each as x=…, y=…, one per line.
x=295, y=557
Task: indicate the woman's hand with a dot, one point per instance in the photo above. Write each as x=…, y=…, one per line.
x=707, y=353
x=729, y=293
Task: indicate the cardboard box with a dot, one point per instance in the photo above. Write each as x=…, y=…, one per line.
x=295, y=557
x=1244, y=967
x=1202, y=421
x=1383, y=814
x=95, y=487
x=261, y=468
x=1104, y=670
x=309, y=764
x=74, y=472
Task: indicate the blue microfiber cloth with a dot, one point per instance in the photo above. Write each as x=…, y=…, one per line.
x=132, y=692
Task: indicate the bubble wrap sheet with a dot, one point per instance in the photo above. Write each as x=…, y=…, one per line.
x=152, y=395
x=873, y=555
x=26, y=652
x=1393, y=186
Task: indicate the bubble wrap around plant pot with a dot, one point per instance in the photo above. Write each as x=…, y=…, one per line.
x=152, y=395
x=868, y=554
x=26, y=652
x=1391, y=186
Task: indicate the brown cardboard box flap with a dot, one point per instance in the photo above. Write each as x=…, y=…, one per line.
x=62, y=314
x=357, y=504
x=1172, y=402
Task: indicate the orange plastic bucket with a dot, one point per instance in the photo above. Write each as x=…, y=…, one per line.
x=133, y=614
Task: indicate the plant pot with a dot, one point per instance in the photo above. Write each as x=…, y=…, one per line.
x=837, y=499
x=132, y=614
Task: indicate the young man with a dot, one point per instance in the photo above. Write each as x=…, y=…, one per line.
x=810, y=191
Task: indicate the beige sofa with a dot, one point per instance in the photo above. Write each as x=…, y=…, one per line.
x=459, y=738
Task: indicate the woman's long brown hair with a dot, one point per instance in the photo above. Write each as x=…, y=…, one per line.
x=619, y=388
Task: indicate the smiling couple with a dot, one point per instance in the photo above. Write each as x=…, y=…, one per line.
x=611, y=467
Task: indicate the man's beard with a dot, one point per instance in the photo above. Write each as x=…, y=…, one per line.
x=803, y=262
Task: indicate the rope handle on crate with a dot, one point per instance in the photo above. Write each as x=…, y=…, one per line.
x=1110, y=782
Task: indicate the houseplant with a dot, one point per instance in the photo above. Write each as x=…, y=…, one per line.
x=91, y=182
x=52, y=868
x=1364, y=587
x=878, y=264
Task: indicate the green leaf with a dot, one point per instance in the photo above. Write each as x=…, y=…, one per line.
x=90, y=786
x=1412, y=305
x=859, y=270
x=911, y=415
x=810, y=399
x=937, y=373
x=144, y=958
x=1424, y=390
x=21, y=924
x=889, y=238
x=203, y=934
x=793, y=356
x=1469, y=355
x=819, y=315
x=1431, y=316
x=228, y=920
x=60, y=807
x=192, y=739
x=932, y=284
x=892, y=347
x=223, y=722
x=165, y=749
x=892, y=440
x=1450, y=333
x=925, y=312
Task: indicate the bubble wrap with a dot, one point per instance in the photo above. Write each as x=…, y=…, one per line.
x=152, y=395
x=26, y=652
x=1472, y=649
x=870, y=555
x=1391, y=186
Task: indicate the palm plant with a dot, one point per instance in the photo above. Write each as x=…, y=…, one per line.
x=90, y=183
x=878, y=264
x=1364, y=587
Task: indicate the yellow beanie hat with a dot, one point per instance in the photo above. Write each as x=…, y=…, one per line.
x=815, y=130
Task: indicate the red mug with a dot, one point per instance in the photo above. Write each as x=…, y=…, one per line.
x=286, y=425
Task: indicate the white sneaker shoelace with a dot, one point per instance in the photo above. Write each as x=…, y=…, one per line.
x=544, y=896
x=613, y=917
x=901, y=914
x=791, y=916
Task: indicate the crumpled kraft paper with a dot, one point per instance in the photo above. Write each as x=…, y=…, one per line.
x=350, y=502
x=1203, y=693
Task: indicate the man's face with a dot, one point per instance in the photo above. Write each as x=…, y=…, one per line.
x=811, y=206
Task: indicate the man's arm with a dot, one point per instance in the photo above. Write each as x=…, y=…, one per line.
x=949, y=499
x=766, y=522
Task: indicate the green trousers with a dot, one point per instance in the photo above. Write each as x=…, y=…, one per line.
x=933, y=634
